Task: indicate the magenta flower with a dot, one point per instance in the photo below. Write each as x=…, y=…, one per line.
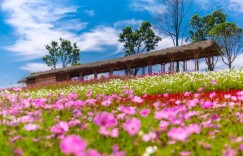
x=132, y=126
x=105, y=119
x=59, y=128
x=207, y=104
x=144, y=112
x=73, y=144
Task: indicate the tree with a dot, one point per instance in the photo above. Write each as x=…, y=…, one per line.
x=65, y=52
x=138, y=41
x=171, y=20
x=52, y=58
x=229, y=37
x=200, y=27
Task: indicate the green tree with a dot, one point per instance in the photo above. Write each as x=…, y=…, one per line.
x=229, y=38
x=139, y=41
x=200, y=27
x=67, y=53
x=52, y=59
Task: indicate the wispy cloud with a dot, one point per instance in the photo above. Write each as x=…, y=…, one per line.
x=236, y=5
x=128, y=22
x=90, y=13
x=151, y=6
x=38, y=22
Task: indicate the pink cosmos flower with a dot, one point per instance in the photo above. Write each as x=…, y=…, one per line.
x=128, y=110
x=185, y=153
x=180, y=134
x=137, y=99
x=229, y=152
x=31, y=127
x=144, y=112
x=105, y=119
x=241, y=147
x=72, y=144
x=207, y=104
x=163, y=125
x=214, y=82
x=59, y=128
x=132, y=126
x=194, y=128
x=145, y=137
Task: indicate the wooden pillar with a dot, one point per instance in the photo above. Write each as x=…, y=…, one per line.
x=172, y=65
x=95, y=74
x=150, y=70
x=143, y=70
x=68, y=77
x=128, y=71
x=209, y=62
x=196, y=56
x=162, y=68
x=111, y=72
x=184, y=65
x=81, y=76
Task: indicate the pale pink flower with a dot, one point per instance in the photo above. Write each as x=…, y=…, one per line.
x=145, y=137
x=92, y=152
x=132, y=126
x=187, y=93
x=177, y=102
x=137, y=99
x=180, y=134
x=214, y=82
x=185, y=153
x=229, y=152
x=31, y=127
x=227, y=96
x=194, y=128
x=163, y=125
x=72, y=144
x=211, y=95
x=144, y=112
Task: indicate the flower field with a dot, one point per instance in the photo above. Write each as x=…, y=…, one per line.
x=171, y=114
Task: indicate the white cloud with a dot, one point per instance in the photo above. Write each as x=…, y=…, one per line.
x=237, y=5
x=38, y=22
x=151, y=6
x=90, y=13
x=129, y=22
x=35, y=67
x=98, y=39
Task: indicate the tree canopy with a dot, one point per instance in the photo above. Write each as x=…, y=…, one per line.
x=229, y=37
x=200, y=26
x=139, y=41
x=65, y=52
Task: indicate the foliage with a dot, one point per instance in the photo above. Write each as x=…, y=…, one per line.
x=139, y=41
x=201, y=26
x=65, y=52
x=230, y=38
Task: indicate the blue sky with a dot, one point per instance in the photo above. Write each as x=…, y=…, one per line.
x=28, y=25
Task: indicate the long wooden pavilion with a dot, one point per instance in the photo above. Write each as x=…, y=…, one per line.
x=194, y=51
